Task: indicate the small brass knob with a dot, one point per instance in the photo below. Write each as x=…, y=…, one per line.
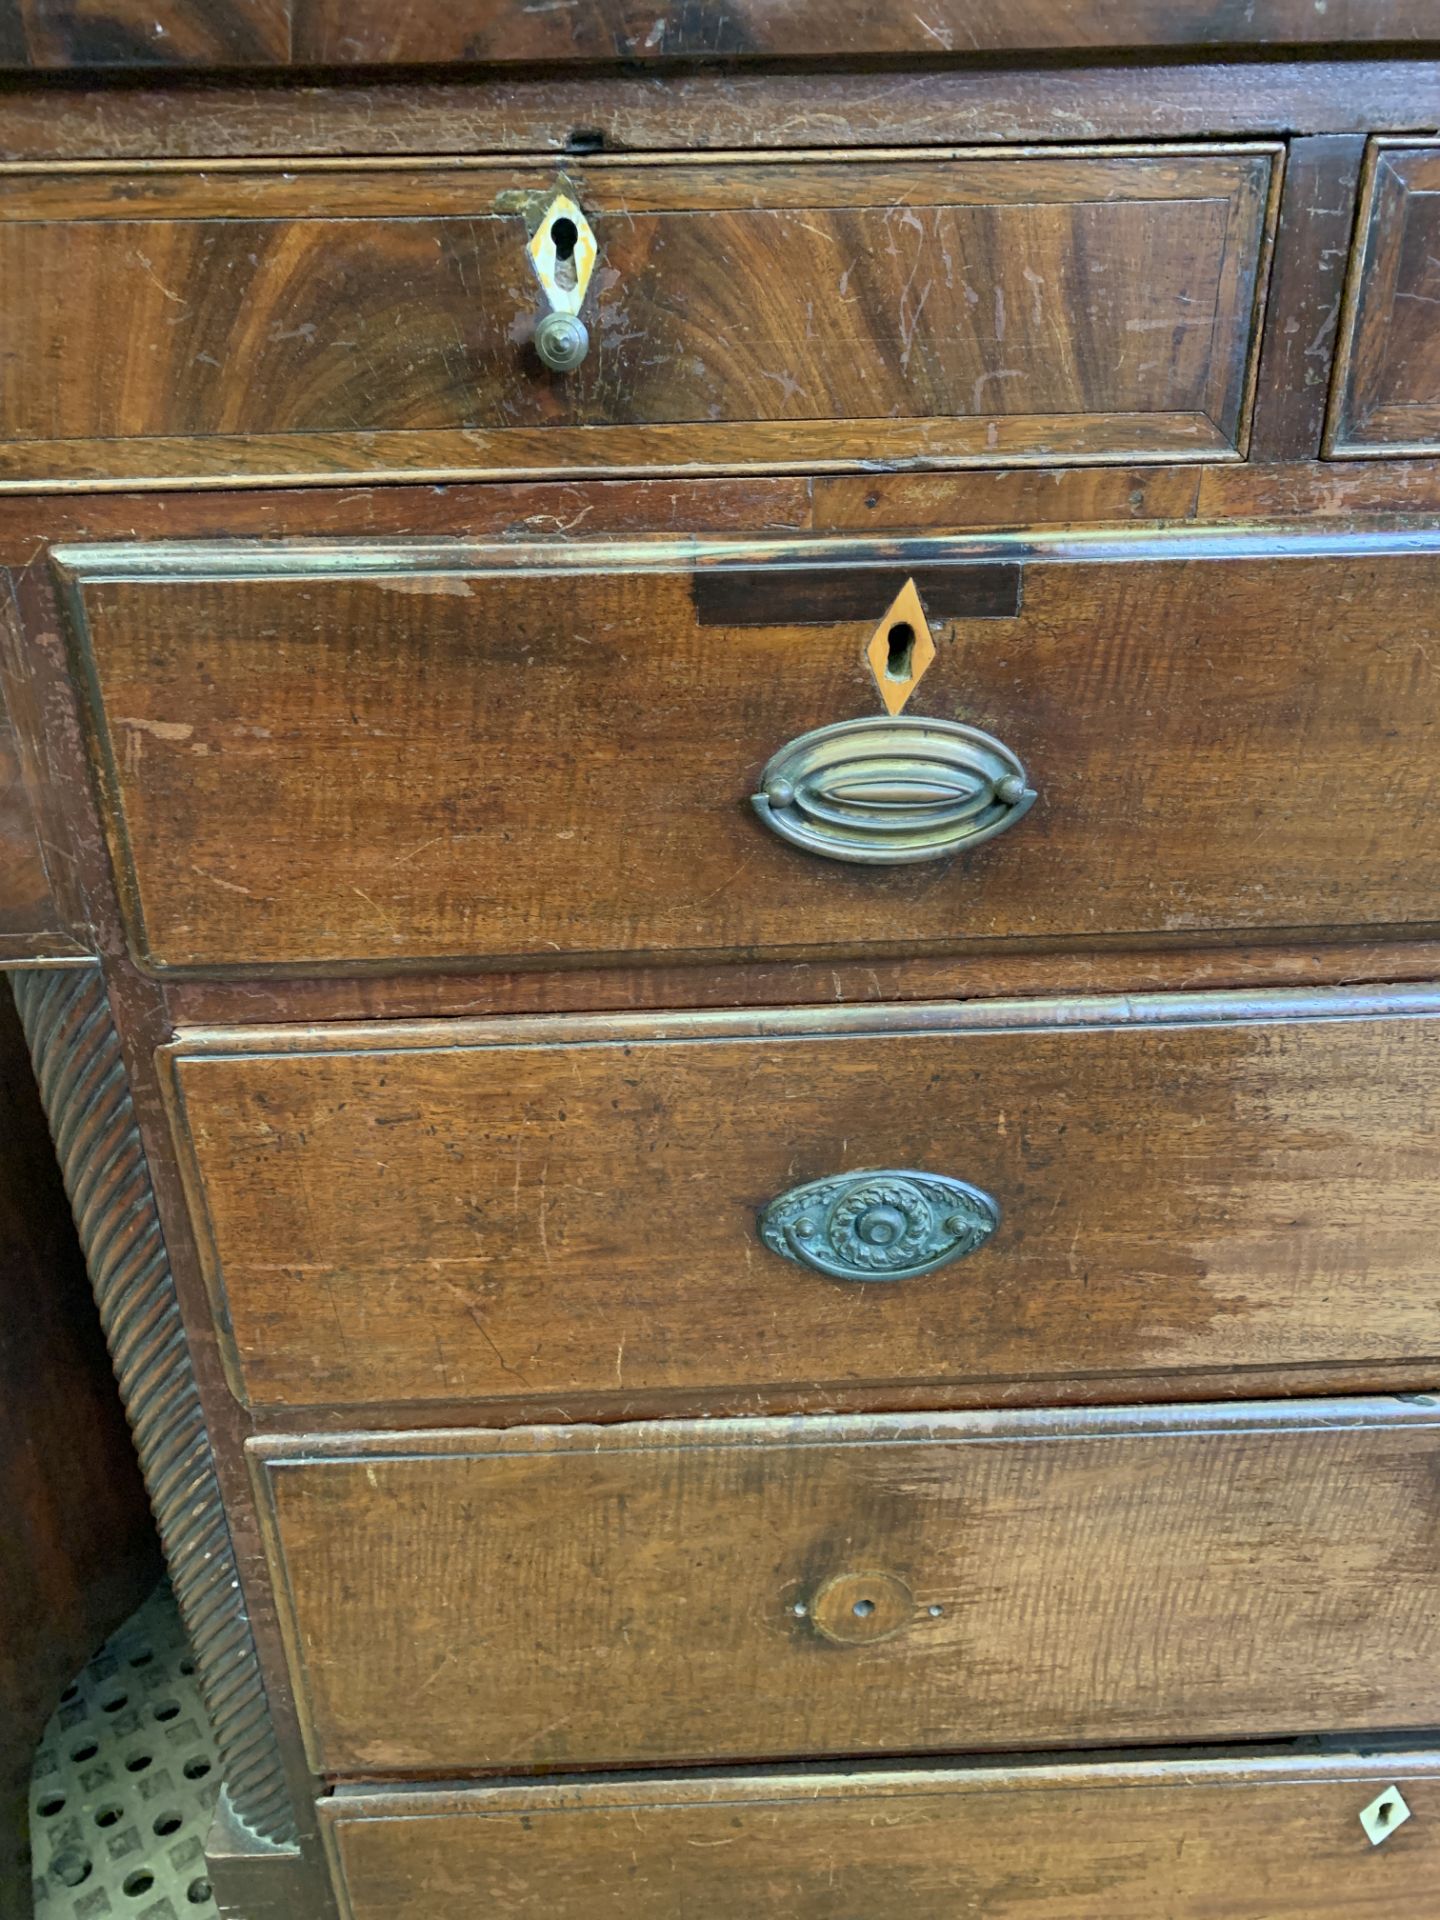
x=562, y=341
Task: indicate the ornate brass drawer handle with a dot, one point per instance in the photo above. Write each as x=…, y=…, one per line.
x=890, y=792
x=884, y=1225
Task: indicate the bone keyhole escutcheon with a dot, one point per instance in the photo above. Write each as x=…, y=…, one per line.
x=563, y=252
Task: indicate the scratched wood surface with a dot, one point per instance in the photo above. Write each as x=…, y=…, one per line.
x=545, y=760
x=446, y=1214
x=1387, y=396
x=1193, y=1839
x=1344, y=494
x=199, y=326
x=723, y=1590
x=572, y=111
x=56, y=34
x=27, y=907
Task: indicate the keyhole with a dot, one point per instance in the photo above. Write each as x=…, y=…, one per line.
x=899, y=651
x=1384, y=1813
x=564, y=234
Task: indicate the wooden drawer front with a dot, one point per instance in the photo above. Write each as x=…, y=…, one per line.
x=720, y=1590
x=349, y=33
x=951, y=309
x=537, y=1210
x=1387, y=397
x=1194, y=1839
x=518, y=755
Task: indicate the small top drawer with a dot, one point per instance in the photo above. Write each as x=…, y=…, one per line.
x=1387, y=393
x=954, y=309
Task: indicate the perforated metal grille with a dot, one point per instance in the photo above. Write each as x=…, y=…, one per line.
x=125, y=1783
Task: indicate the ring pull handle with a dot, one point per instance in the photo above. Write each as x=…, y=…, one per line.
x=894, y=791
x=563, y=251
x=889, y=1224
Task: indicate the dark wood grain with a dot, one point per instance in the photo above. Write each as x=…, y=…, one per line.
x=1121, y=966
x=1317, y=217
x=756, y=504
x=1388, y=379
x=49, y=803
x=1348, y=493
x=57, y=34
x=27, y=906
x=821, y=596
x=203, y=326
x=571, y=1597
x=1190, y=1838
x=489, y=755
x=692, y=109
x=330, y=32
x=422, y=1214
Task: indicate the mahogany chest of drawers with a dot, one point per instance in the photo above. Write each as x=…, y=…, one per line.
x=720, y=840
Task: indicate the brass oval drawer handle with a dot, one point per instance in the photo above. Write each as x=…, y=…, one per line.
x=890, y=792
x=884, y=1225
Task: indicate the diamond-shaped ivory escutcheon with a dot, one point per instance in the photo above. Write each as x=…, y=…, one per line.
x=1383, y=1815
x=902, y=650
x=563, y=250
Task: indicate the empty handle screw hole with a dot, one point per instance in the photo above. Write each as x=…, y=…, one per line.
x=863, y=1609
x=899, y=651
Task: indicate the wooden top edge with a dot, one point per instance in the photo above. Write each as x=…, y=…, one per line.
x=1122, y=152
x=276, y=1452
x=1186, y=1768
x=1197, y=1008
x=303, y=558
